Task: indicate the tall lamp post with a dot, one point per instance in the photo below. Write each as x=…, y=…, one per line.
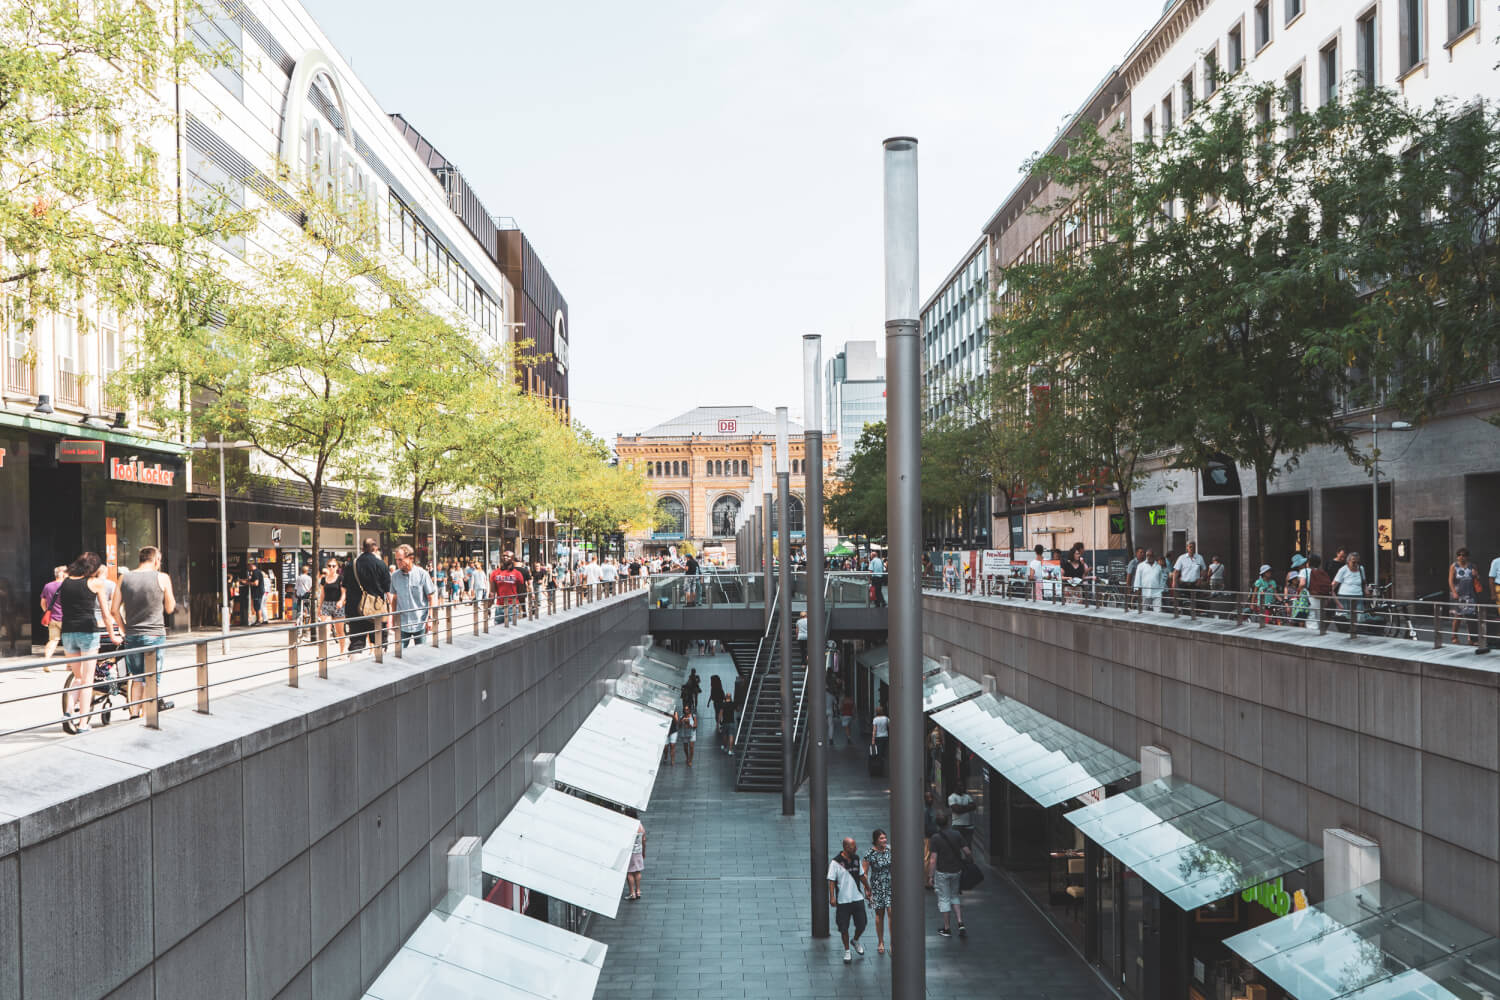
x=767, y=526
x=817, y=734
x=904, y=528
x=1375, y=428
x=784, y=584
x=219, y=446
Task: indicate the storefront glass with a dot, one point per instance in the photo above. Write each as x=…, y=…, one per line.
x=129, y=526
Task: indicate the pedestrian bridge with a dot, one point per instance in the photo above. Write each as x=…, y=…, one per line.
x=731, y=607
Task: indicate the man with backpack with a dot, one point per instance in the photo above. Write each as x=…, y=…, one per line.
x=949, y=852
x=1318, y=588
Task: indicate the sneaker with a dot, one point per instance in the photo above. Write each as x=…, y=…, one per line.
x=847, y=957
x=963, y=931
x=944, y=932
x=858, y=948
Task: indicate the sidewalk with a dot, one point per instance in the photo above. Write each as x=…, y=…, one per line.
x=725, y=901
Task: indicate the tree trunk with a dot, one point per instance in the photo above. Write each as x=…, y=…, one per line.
x=1129, y=521
x=317, y=520
x=416, y=515
x=1262, y=483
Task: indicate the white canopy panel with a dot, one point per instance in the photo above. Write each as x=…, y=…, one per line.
x=467, y=948
x=560, y=845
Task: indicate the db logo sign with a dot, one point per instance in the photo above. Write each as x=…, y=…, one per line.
x=729, y=426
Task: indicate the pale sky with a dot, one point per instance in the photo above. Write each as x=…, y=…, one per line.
x=703, y=180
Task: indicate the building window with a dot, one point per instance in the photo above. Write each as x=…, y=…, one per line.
x=1461, y=17
x=726, y=511
x=1148, y=128
x=1411, y=34
x=1235, y=50
x=1364, y=38
x=1210, y=72
x=671, y=517
x=1328, y=68
x=1166, y=116
x=219, y=41
x=1294, y=101
x=649, y=468
x=65, y=344
x=1262, y=24
x=793, y=513
x=1187, y=95
x=213, y=192
x=1293, y=10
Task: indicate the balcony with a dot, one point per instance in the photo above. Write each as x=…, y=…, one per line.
x=19, y=377
x=69, y=388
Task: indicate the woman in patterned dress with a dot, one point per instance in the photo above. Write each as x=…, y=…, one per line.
x=878, y=884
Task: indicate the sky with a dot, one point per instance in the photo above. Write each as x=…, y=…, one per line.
x=703, y=180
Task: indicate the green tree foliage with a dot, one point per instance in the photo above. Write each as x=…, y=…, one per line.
x=857, y=503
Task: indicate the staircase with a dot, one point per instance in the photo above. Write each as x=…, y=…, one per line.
x=743, y=654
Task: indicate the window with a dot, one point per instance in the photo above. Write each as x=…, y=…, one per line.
x=1293, y=10
x=671, y=517
x=1412, y=42
x=1293, y=100
x=1461, y=16
x=1364, y=42
x=1263, y=120
x=1166, y=116
x=1328, y=69
x=65, y=345
x=1187, y=95
x=649, y=468
x=1148, y=128
x=1210, y=72
x=1235, y=50
x=1262, y=24
x=220, y=46
x=109, y=355
x=793, y=513
x=726, y=511
x=213, y=192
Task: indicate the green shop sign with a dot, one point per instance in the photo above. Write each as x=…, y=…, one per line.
x=1156, y=517
x=1274, y=897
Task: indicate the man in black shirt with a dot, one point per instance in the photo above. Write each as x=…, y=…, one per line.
x=366, y=576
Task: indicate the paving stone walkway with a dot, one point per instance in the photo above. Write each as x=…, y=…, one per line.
x=725, y=907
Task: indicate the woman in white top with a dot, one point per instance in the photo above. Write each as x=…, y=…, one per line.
x=637, y=858
x=880, y=731
x=1350, y=585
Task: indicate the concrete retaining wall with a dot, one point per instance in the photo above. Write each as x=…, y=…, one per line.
x=285, y=845
x=1380, y=736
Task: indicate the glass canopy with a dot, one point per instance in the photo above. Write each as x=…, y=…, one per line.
x=469, y=948
x=664, y=656
x=1192, y=846
x=942, y=689
x=659, y=672
x=615, y=754
x=559, y=844
x=644, y=691
x=1047, y=760
x=878, y=661
x=1375, y=943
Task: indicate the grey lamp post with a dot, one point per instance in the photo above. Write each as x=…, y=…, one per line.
x=767, y=526
x=784, y=584
x=1375, y=429
x=904, y=528
x=817, y=725
x=219, y=447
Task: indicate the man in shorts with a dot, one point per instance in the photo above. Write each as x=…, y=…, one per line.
x=846, y=894
x=141, y=603
x=949, y=852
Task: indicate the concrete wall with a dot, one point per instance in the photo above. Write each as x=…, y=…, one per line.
x=285, y=845
x=1380, y=736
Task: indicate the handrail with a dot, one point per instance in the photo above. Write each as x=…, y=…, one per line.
x=752, y=687
x=307, y=646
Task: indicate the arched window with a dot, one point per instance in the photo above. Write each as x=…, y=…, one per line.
x=793, y=514
x=718, y=468
x=658, y=469
x=674, y=469
x=671, y=517
x=726, y=511
x=739, y=468
x=648, y=468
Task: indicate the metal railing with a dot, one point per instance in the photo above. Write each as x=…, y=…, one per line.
x=1426, y=620
x=18, y=376
x=311, y=645
x=761, y=665
x=748, y=590
x=69, y=387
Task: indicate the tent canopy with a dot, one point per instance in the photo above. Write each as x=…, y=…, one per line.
x=616, y=753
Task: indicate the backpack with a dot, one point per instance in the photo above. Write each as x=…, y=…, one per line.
x=1319, y=584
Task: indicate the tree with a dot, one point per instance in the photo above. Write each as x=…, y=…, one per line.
x=858, y=504
x=1077, y=385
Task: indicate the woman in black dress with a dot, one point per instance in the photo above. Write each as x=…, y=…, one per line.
x=83, y=606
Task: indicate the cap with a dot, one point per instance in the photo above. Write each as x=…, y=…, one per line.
x=1298, y=561
x=1265, y=568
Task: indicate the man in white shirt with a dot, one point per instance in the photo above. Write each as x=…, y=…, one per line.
x=1189, y=572
x=1150, y=578
x=846, y=894
x=961, y=805
x=877, y=579
x=607, y=575
x=1037, y=571
x=592, y=574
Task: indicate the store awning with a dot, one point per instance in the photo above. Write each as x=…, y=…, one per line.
x=1375, y=943
x=1190, y=845
x=615, y=754
x=664, y=656
x=942, y=689
x=560, y=845
x=1047, y=760
x=661, y=673
x=878, y=661
x=467, y=948
x=652, y=694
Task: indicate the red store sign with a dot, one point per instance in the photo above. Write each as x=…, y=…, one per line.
x=136, y=471
x=729, y=426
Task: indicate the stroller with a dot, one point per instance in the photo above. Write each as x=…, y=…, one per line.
x=108, y=685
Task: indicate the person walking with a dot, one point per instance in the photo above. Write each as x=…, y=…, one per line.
x=1150, y=580
x=52, y=613
x=1350, y=586
x=715, y=696
x=367, y=581
x=692, y=689
x=607, y=576
x=878, y=580
x=141, y=604
x=961, y=807
x=878, y=881
x=1188, y=574
x=83, y=602
x=1036, y=570
x=506, y=584
x=687, y=729
x=846, y=717
x=831, y=711
x=637, y=858
x=880, y=733
x=726, y=723
x=949, y=853
x=1466, y=589
x=331, y=600
x=846, y=894
x=303, y=590
x=413, y=594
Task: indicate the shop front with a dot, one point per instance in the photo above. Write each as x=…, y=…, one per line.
x=68, y=489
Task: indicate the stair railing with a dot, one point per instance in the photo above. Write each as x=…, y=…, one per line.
x=757, y=674
x=800, y=728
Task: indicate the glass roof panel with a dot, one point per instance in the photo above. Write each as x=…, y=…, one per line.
x=652, y=694
x=941, y=689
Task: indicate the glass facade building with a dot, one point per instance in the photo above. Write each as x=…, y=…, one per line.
x=955, y=339
x=854, y=393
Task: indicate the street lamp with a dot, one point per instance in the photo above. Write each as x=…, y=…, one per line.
x=1375, y=428
x=219, y=446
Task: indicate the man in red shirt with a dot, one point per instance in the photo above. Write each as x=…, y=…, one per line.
x=505, y=583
